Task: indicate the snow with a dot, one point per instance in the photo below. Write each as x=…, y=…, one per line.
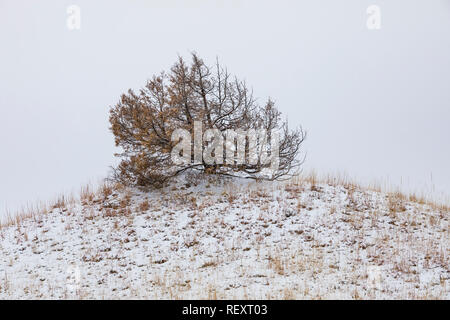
x=233, y=239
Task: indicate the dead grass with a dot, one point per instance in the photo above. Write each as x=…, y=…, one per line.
x=144, y=206
x=88, y=195
x=397, y=198
x=398, y=249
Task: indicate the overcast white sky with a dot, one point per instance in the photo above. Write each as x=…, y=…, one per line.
x=375, y=103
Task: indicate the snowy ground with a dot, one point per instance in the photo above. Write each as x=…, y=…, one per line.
x=247, y=240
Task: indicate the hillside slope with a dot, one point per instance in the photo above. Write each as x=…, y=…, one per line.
x=230, y=239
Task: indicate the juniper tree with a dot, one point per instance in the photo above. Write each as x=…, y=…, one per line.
x=143, y=124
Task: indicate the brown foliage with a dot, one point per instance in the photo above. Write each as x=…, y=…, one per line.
x=143, y=122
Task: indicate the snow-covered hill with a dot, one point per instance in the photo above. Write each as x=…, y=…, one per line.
x=230, y=239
